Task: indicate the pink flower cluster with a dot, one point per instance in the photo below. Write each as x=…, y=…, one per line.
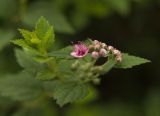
x=97, y=49
x=117, y=53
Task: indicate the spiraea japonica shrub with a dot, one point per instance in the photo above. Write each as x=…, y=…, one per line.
x=63, y=74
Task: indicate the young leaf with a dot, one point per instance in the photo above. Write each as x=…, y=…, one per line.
x=68, y=92
x=20, y=42
x=44, y=31
x=63, y=53
x=129, y=61
x=108, y=65
x=26, y=34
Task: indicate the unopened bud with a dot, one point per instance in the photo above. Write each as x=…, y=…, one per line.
x=96, y=81
x=116, y=52
x=104, y=45
x=119, y=58
x=95, y=54
x=95, y=42
x=85, y=67
x=75, y=64
x=110, y=48
x=103, y=52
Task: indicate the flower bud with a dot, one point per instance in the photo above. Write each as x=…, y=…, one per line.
x=96, y=81
x=119, y=58
x=104, y=45
x=103, y=52
x=110, y=48
x=116, y=52
x=95, y=54
x=75, y=64
x=96, y=44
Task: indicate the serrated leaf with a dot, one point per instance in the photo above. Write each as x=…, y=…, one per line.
x=44, y=32
x=20, y=86
x=43, y=29
x=20, y=42
x=26, y=34
x=129, y=61
x=69, y=92
x=45, y=75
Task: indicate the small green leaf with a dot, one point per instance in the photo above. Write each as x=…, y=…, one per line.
x=20, y=42
x=68, y=92
x=129, y=61
x=45, y=75
x=45, y=33
x=26, y=34
x=43, y=29
x=108, y=65
x=59, y=54
x=63, y=53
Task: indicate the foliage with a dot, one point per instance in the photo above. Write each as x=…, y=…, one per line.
x=28, y=79
x=71, y=82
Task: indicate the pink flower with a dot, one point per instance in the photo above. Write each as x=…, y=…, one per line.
x=80, y=50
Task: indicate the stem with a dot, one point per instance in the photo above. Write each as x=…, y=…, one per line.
x=23, y=7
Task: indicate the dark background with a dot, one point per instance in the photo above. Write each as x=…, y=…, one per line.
x=133, y=26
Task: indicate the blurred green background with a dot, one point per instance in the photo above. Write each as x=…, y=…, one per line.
x=133, y=26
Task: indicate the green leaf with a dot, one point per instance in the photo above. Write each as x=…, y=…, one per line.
x=5, y=37
x=43, y=29
x=20, y=86
x=21, y=42
x=63, y=53
x=129, y=61
x=68, y=92
x=44, y=32
x=26, y=61
x=45, y=75
x=60, y=54
x=64, y=66
x=26, y=34
x=108, y=65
